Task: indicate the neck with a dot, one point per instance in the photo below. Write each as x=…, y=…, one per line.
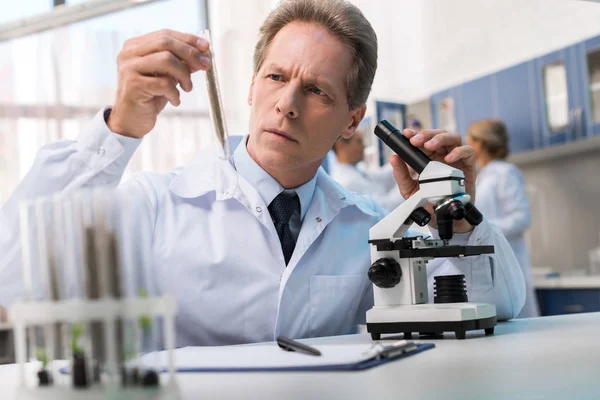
x=342, y=159
x=289, y=178
x=484, y=160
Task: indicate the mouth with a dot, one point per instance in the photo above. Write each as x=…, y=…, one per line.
x=282, y=134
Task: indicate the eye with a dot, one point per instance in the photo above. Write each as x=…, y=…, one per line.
x=316, y=91
x=275, y=77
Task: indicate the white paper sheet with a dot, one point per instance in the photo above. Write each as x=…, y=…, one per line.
x=259, y=356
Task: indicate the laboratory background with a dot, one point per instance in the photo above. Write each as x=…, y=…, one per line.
x=534, y=65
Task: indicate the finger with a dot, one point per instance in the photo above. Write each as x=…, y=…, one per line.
x=196, y=41
x=445, y=141
x=189, y=48
x=162, y=86
x=465, y=154
x=408, y=133
x=424, y=135
x=406, y=183
x=165, y=63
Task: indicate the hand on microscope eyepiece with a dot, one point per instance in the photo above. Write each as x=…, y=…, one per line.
x=438, y=145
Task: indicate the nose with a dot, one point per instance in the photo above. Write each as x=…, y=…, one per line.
x=288, y=102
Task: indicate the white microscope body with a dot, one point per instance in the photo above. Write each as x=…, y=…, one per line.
x=398, y=270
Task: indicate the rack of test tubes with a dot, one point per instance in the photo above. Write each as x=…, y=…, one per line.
x=92, y=319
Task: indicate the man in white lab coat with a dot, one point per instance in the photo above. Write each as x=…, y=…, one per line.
x=379, y=185
x=265, y=243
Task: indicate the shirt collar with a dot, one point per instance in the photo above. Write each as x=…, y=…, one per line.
x=265, y=184
x=193, y=181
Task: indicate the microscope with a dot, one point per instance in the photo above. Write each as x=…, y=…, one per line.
x=399, y=264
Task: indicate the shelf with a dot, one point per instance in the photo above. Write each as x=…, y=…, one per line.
x=579, y=147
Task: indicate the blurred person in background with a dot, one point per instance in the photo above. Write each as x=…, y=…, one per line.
x=501, y=196
x=414, y=123
x=379, y=184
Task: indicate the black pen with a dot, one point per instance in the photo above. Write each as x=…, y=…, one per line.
x=291, y=345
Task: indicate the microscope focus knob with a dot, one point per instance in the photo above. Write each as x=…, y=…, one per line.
x=385, y=273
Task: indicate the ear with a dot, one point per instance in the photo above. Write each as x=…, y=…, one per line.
x=250, y=91
x=355, y=117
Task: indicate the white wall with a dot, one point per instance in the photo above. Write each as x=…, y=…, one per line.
x=424, y=45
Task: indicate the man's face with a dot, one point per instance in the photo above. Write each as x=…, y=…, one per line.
x=299, y=99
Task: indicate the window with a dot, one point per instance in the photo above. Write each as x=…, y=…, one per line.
x=11, y=10
x=55, y=81
x=556, y=97
x=593, y=63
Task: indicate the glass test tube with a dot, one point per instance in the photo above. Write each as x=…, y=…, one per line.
x=214, y=96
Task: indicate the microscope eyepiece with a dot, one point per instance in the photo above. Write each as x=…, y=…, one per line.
x=396, y=141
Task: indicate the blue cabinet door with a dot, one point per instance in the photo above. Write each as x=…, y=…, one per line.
x=515, y=103
x=568, y=301
x=589, y=54
x=474, y=102
x=558, y=81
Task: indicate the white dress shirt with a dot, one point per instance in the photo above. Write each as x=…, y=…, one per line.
x=269, y=188
x=217, y=251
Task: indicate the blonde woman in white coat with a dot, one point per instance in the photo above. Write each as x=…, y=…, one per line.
x=501, y=196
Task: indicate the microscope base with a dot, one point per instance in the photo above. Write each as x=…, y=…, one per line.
x=431, y=319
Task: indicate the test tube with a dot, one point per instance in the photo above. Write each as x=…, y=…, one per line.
x=214, y=96
x=47, y=270
x=26, y=232
x=147, y=286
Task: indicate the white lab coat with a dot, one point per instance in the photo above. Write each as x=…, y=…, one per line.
x=501, y=197
x=217, y=251
x=378, y=185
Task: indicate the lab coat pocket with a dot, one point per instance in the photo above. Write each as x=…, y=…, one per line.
x=334, y=302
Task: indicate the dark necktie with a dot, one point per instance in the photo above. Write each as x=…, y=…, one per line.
x=281, y=209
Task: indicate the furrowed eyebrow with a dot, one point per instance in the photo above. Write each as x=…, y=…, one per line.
x=321, y=83
x=275, y=67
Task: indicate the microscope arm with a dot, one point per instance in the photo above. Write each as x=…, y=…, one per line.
x=388, y=227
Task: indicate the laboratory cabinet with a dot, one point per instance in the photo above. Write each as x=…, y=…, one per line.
x=568, y=301
x=516, y=104
x=590, y=71
x=474, y=102
x=546, y=101
x=560, y=93
x=508, y=95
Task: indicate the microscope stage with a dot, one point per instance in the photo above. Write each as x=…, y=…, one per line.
x=431, y=318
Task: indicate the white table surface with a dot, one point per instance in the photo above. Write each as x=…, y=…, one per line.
x=540, y=358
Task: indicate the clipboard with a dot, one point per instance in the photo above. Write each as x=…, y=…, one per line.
x=270, y=358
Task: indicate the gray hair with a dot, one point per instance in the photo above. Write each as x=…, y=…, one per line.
x=344, y=21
